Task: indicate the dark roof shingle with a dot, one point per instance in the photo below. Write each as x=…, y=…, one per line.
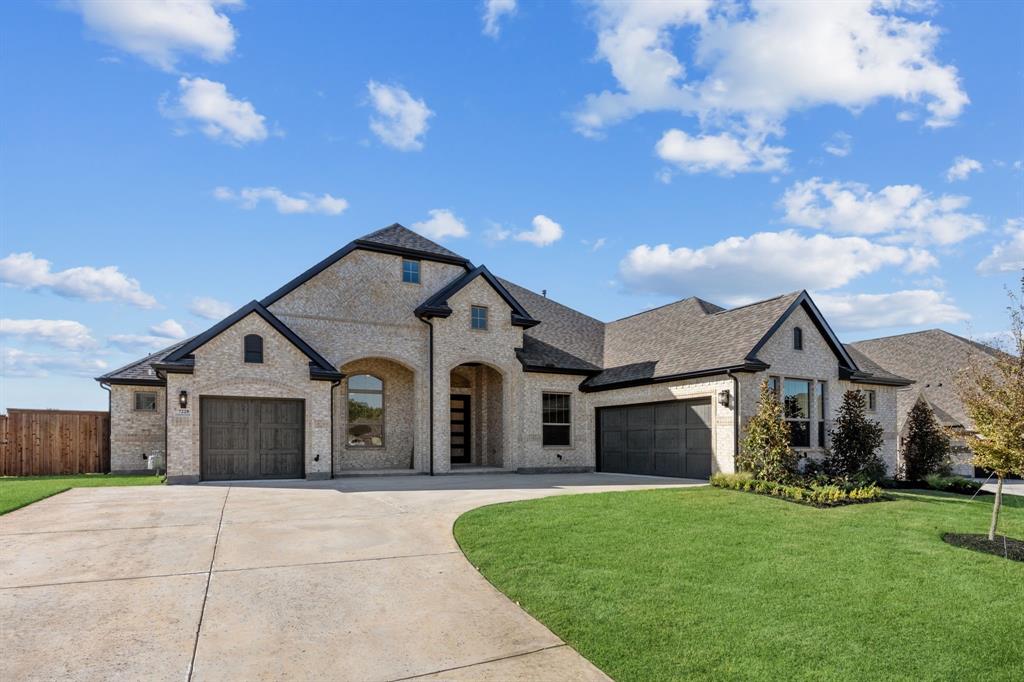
x=404, y=238
x=142, y=371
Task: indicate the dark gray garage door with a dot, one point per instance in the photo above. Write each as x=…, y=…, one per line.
x=660, y=439
x=247, y=438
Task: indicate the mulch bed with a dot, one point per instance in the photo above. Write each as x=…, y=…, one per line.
x=1002, y=546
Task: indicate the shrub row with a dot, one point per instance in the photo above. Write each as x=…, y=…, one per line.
x=952, y=484
x=813, y=494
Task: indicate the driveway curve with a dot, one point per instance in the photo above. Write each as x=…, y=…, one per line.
x=350, y=579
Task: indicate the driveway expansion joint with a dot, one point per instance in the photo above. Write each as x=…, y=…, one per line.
x=482, y=662
x=206, y=591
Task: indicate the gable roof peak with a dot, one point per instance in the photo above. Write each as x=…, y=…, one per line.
x=399, y=236
x=437, y=305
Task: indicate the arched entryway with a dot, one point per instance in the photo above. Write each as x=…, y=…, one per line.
x=374, y=416
x=476, y=416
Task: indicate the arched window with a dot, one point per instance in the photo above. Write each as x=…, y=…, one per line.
x=798, y=338
x=253, y=348
x=365, y=411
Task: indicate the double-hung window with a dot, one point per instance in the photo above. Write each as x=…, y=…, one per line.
x=796, y=404
x=556, y=419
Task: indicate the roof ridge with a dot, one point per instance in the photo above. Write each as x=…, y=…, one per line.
x=660, y=307
x=550, y=300
x=753, y=303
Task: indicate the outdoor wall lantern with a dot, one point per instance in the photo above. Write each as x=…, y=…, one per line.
x=723, y=398
x=183, y=399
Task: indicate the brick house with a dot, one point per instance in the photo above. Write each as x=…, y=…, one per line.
x=396, y=354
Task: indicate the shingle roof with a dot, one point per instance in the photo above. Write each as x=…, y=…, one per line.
x=869, y=366
x=933, y=359
x=404, y=238
x=579, y=337
x=141, y=371
x=687, y=336
x=437, y=305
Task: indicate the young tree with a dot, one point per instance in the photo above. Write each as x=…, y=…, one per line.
x=994, y=399
x=765, y=449
x=926, y=449
x=855, y=442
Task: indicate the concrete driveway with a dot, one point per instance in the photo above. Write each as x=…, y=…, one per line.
x=355, y=579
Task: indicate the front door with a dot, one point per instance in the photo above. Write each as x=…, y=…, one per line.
x=460, y=430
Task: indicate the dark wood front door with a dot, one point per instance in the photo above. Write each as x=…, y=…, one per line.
x=251, y=438
x=461, y=427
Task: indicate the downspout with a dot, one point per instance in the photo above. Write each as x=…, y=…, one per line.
x=110, y=421
x=735, y=415
x=430, y=360
x=334, y=385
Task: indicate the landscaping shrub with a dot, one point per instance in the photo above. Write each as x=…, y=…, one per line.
x=952, y=484
x=765, y=449
x=926, y=449
x=819, y=495
x=855, y=443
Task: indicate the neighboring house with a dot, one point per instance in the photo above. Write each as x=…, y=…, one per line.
x=933, y=359
x=395, y=353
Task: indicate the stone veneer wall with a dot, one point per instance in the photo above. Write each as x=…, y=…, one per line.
x=399, y=427
x=134, y=433
x=816, y=362
x=221, y=371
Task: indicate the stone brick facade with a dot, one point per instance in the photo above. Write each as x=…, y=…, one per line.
x=135, y=435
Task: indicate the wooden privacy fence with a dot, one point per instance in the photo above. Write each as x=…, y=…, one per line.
x=45, y=442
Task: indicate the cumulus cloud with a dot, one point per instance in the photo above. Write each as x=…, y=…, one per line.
x=723, y=153
x=161, y=31
x=901, y=212
x=544, y=233
x=250, y=197
x=210, y=308
x=494, y=10
x=768, y=59
x=19, y=363
x=401, y=120
x=1007, y=256
x=25, y=271
x=218, y=114
x=962, y=167
x=840, y=144
x=738, y=270
x=442, y=223
x=168, y=329
x=64, y=333
x=913, y=307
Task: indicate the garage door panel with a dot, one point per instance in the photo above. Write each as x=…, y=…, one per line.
x=251, y=438
x=664, y=439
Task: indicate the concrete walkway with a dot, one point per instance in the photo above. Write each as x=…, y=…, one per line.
x=350, y=579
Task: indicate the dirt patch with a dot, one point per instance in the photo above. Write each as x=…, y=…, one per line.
x=1003, y=546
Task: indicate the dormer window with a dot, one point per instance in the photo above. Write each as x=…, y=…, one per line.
x=478, y=318
x=254, y=348
x=410, y=271
x=798, y=338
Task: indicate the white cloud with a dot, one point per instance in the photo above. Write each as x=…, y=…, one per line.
x=19, y=363
x=442, y=223
x=962, y=167
x=913, y=307
x=497, y=233
x=219, y=116
x=723, y=153
x=761, y=61
x=168, y=329
x=161, y=31
x=903, y=212
x=494, y=10
x=250, y=197
x=137, y=343
x=1009, y=255
x=544, y=233
x=64, y=333
x=401, y=119
x=738, y=270
x=25, y=271
x=840, y=144
x=595, y=245
x=210, y=308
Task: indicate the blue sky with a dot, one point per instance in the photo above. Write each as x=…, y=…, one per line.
x=163, y=163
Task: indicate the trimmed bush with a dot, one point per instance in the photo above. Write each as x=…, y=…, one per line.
x=952, y=484
x=815, y=494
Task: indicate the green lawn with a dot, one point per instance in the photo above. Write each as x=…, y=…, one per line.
x=17, y=492
x=704, y=583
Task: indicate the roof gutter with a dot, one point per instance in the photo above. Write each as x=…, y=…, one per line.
x=750, y=366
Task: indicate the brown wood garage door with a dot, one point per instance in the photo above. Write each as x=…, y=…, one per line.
x=656, y=439
x=251, y=438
